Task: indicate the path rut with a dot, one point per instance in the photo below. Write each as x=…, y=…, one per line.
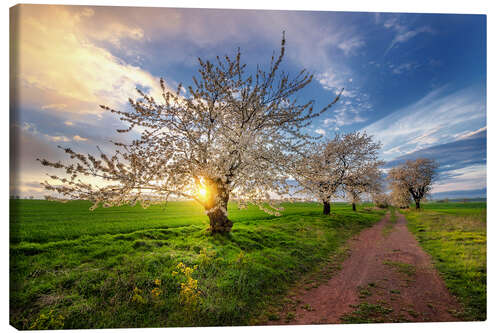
x=388, y=273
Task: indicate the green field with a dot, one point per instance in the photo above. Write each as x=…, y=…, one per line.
x=130, y=267
x=454, y=234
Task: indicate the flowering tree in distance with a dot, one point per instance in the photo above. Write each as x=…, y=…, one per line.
x=400, y=197
x=229, y=136
x=415, y=177
x=380, y=199
x=366, y=178
x=322, y=169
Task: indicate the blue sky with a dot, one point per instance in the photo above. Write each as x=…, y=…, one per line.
x=416, y=82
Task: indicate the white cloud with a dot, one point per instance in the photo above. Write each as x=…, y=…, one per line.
x=344, y=116
x=350, y=46
x=79, y=138
x=54, y=107
x=348, y=93
x=330, y=80
x=435, y=118
x=57, y=138
x=404, y=68
x=352, y=106
x=336, y=82
x=405, y=35
x=403, y=32
x=69, y=123
x=468, y=178
x=61, y=70
x=320, y=131
x=116, y=32
x=328, y=121
x=467, y=134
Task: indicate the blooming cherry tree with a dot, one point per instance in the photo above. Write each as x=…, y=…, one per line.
x=230, y=135
x=363, y=178
x=323, y=169
x=414, y=177
x=400, y=197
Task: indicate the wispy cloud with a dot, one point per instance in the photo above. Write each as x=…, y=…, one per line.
x=403, y=32
x=113, y=32
x=435, y=118
x=57, y=138
x=461, y=163
x=468, y=178
x=469, y=134
x=54, y=107
x=344, y=116
x=330, y=80
x=33, y=131
x=353, y=103
x=350, y=46
x=27, y=145
x=453, y=155
x=406, y=67
x=49, y=79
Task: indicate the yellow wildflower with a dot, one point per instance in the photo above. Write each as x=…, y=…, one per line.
x=156, y=292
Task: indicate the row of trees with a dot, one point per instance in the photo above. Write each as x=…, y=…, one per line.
x=347, y=165
x=233, y=135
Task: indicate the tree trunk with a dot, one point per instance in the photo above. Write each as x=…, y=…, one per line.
x=417, y=204
x=216, y=208
x=354, y=206
x=219, y=222
x=326, y=208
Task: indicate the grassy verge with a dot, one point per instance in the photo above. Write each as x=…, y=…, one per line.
x=454, y=234
x=392, y=222
x=136, y=268
x=369, y=313
x=285, y=306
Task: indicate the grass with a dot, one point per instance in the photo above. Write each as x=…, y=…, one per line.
x=368, y=313
x=43, y=221
x=402, y=267
x=364, y=292
x=454, y=234
x=389, y=227
x=114, y=267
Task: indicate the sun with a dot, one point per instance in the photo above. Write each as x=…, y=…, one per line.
x=202, y=190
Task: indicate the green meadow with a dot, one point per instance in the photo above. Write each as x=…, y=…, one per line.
x=157, y=267
x=454, y=234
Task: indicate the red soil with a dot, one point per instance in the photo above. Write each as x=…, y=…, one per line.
x=386, y=267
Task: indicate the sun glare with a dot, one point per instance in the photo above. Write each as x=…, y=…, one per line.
x=202, y=190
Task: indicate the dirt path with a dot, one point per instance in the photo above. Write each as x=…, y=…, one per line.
x=386, y=278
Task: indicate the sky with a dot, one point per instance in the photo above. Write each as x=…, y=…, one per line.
x=416, y=82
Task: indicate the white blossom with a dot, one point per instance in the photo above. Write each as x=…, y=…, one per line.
x=347, y=163
x=231, y=134
x=414, y=177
